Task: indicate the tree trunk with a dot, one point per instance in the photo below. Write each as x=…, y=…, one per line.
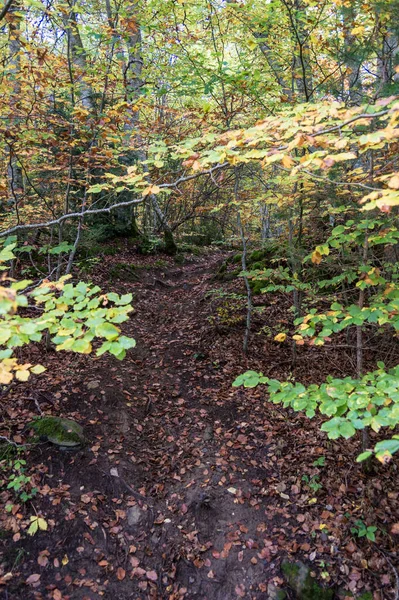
x=14, y=169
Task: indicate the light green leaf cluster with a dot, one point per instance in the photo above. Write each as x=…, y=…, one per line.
x=351, y=404
x=74, y=315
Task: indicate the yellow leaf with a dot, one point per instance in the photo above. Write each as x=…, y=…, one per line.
x=359, y=30
x=316, y=257
x=394, y=182
x=42, y=524
x=342, y=143
x=280, y=337
x=65, y=560
x=5, y=377
x=287, y=161
x=22, y=375
x=151, y=189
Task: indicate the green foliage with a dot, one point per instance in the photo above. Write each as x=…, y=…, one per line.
x=15, y=479
x=74, y=314
x=360, y=529
x=352, y=404
x=312, y=482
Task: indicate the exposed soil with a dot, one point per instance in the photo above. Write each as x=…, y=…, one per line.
x=188, y=487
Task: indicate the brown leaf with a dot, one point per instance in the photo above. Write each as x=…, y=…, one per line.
x=43, y=558
x=395, y=529
x=151, y=575
x=301, y=518
x=121, y=573
x=351, y=548
x=32, y=579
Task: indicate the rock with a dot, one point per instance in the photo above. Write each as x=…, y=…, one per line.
x=298, y=577
x=208, y=433
x=275, y=593
x=59, y=431
x=134, y=515
x=92, y=385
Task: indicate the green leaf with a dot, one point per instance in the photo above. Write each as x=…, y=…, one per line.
x=347, y=430
x=126, y=343
x=108, y=331
x=364, y=456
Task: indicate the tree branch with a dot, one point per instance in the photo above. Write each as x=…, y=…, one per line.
x=5, y=9
x=74, y=215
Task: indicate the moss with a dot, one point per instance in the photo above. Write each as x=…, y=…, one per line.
x=134, y=230
x=365, y=596
x=179, y=259
x=257, y=266
x=237, y=258
x=170, y=245
x=257, y=255
x=63, y=432
x=257, y=286
x=305, y=586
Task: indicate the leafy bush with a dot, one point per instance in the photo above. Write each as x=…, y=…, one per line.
x=74, y=315
x=353, y=404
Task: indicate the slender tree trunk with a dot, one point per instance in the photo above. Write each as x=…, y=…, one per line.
x=359, y=342
x=15, y=173
x=353, y=61
x=244, y=267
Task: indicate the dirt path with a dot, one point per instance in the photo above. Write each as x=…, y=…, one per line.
x=189, y=488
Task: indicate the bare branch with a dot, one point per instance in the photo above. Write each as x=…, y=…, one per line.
x=74, y=215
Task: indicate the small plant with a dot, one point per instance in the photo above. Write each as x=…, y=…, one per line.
x=360, y=529
x=320, y=462
x=18, y=481
x=36, y=524
x=312, y=482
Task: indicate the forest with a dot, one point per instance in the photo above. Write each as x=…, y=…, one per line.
x=199, y=299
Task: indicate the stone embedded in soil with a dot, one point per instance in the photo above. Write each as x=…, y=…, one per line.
x=59, y=431
x=298, y=577
x=275, y=593
x=134, y=515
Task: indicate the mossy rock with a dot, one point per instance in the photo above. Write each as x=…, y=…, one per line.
x=341, y=594
x=298, y=577
x=59, y=431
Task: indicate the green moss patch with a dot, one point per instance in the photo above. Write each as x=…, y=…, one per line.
x=59, y=431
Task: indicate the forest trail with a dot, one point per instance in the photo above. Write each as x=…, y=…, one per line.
x=188, y=488
x=191, y=442
x=170, y=498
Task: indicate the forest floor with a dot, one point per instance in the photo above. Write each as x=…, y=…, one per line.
x=189, y=488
